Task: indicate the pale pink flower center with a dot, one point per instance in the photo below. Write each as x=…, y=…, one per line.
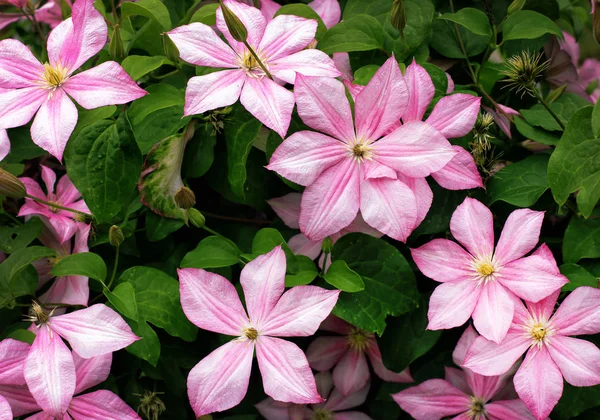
x=360, y=150
x=485, y=269
x=539, y=330
x=477, y=409
x=54, y=76
x=251, y=66
x=251, y=333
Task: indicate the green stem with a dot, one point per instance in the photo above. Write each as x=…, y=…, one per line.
x=541, y=100
x=462, y=46
x=114, y=272
x=236, y=219
x=260, y=63
x=57, y=206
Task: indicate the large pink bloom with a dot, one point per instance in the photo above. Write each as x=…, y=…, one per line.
x=43, y=88
x=481, y=282
x=552, y=354
x=347, y=354
x=62, y=223
x=13, y=387
x=280, y=44
x=352, y=168
x=50, y=366
x=463, y=394
x=220, y=380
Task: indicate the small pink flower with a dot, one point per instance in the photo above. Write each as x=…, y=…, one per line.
x=347, y=354
x=328, y=10
x=463, y=394
x=43, y=88
x=220, y=380
x=62, y=223
x=280, y=44
x=502, y=117
x=551, y=352
x=482, y=282
x=50, y=366
x=12, y=381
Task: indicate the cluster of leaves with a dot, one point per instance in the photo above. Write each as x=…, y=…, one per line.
x=223, y=163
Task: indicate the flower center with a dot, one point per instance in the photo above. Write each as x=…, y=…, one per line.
x=485, y=270
x=538, y=333
x=322, y=414
x=38, y=315
x=476, y=409
x=360, y=151
x=251, y=334
x=538, y=330
x=358, y=339
x=54, y=76
x=251, y=65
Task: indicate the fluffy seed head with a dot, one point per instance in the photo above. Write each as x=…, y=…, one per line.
x=522, y=70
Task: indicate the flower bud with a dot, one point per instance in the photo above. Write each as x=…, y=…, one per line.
x=596, y=20
x=515, y=6
x=185, y=198
x=115, y=47
x=11, y=186
x=151, y=405
x=555, y=94
x=234, y=24
x=327, y=245
x=170, y=49
x=196, y=217
x=115, y=235
x=398, y=16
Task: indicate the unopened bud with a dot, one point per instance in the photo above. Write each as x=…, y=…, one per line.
x=398, y=16
x=196, y=218
x=596, y=19
x=555, y=94
x=515, y=6
x=115, y=235
x=327, y=245
x=234, y=24
x=11, y=186
x=185, y=198
x=115, y=47
x=170, y=49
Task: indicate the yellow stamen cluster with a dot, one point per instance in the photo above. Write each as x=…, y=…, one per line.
x=477, y=409
x=251, y=334
x=360, y=151
x=321, y=414
x=358, y=339
x=538, y=332
x=38, y=315
x=485, y=269
x=54, y=76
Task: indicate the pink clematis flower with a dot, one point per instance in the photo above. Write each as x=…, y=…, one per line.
x=347, y=354
x=220, y=380
x=62, y=223
x=352, y=167
x=50, y=366
x=100, y=404
x=329, y=11
x=463, y=394
x=481, y=282
x=280, y=46
x=13, y=387
x=502, y=118
x=49, y=13
x=334, y=408
x=43, y=88
x=552, y=354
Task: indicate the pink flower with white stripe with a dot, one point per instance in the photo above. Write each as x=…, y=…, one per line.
x=463, y=394
x=13, y=387
x=220, y=380
x=280, y=45
x=62, y=223
x=357, y=165
x=348, y=355
x=481, y=281
x=50, y=368
x=43, y=88
x=551, y=352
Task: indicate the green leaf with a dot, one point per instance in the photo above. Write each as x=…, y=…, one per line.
x=212, y=252
x=206, y=14
x=123, y=299
x=137, y=66
x=363, y=75
x=306, y=273
x=574, y=164
x=240, y=132
x=406, y=338
x=148, y=348
x=439, y=215
x=360, y=33
x=575, y=401
x=342, y=277
x=419, y=18
x=152, y=9
x=445, y=41
x=104, y=162
x=473, y=19
x=582, y=240
x=578, y=276
x=390, y=286
x=90, y=116
x=535, y=133
x=379, y=9
x=439, y=79
x=25, y=336
x=304, y=11
x=520, y=184
x=85, y=264
x=527, y=24
x=268, y=238
x=13, y=238
x=596, y=120
x=564, y=107
x=200, y=152
x=158, y=228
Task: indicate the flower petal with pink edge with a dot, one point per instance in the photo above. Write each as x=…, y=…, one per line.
x=62, y=227
x=18, y=66
x=451, y=304
x=50, y=372
x=214, y=90
x=460, y=173
x=455, y=115
x=443, y=260
x=472, y=225
x=106, y=84
x=421, y=91
x=78, y=38
x=68, y=290
x=91, y=372
x=5, y=410
x=252, y=19
x=458, y=378
x=328, y=10
x=286, y=35
x=4, y=144
x=269, y=102
x=381, y=103
x=351, y=373
x=323, y=106
x=488, y=358
x=539, y=382
x=381, y=371
x=285, y=371
x=20, y=399
x=579, y=313
x=310, y=62
x=338, y=401
x=300, y=311
x=464, y=342
x=94, y=331
x=336, y=325
x=304, y=156
x=101, y=404
x=66, y=191
x=416, y=149
x=508, y=410
x=301, y=245
x=331, y=203
x=520, y=235
x=220, y=380
x=198, y=44
x=494, y=311
x=432, y=400
x=287, y=208
x=324, y=352
x=18, y=106
x=12, y=356
x=9, y=18
x=54, y=123
x=578, y=360
x=389, y=206
x=211, y=302
x=423, y=195
x=531, y=278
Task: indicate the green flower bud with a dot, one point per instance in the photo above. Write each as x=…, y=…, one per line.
x=115, y=235
x=555, y=94
x=596, y=20
x=234, y=24
x=515, y=6
x=327, y=245
x=185, y=198
x=11, y=186
x=398, y=16
x=196, y=217
x=115, y=47
x=170, y=49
